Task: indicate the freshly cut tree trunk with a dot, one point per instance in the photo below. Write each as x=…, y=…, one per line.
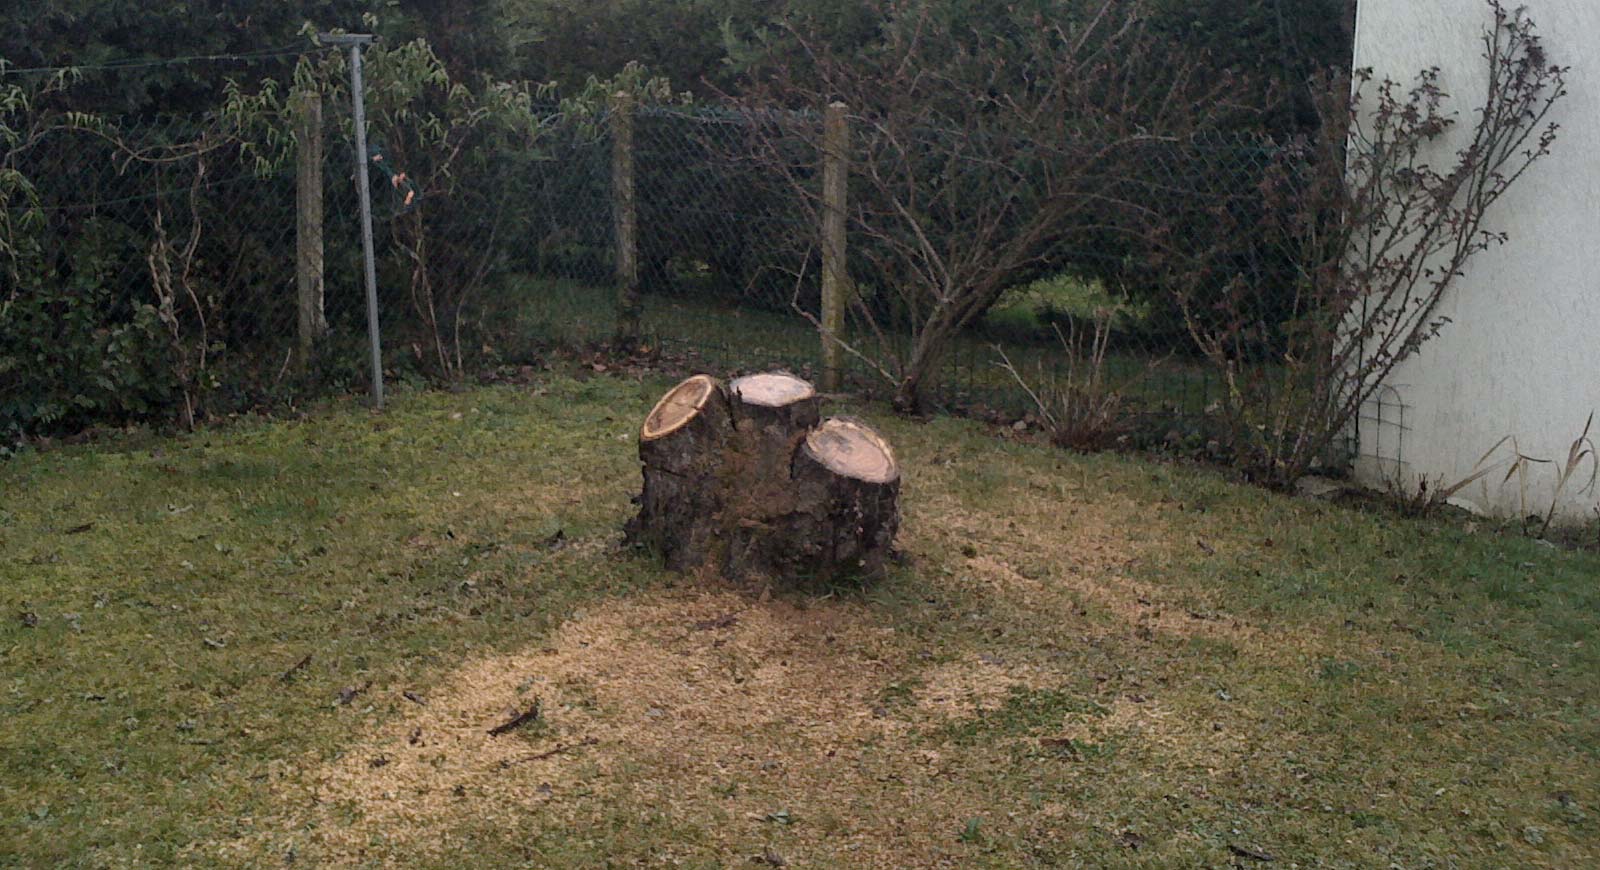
x=745, y=479
x=777, y=401
x=682, y=444
x=843, y=509
x=772, y=413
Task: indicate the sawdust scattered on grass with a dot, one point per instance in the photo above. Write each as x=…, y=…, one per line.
x=968, y=686
x=718, y=710
x=1055, y=555
x=667, y=698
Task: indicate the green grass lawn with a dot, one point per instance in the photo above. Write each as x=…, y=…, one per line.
x=1026, y=310
x=1157, y=380
x=286, y=641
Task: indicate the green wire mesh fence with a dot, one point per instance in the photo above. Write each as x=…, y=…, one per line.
x=157, y=267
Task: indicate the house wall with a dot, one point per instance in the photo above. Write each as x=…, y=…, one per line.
x=1521, y=356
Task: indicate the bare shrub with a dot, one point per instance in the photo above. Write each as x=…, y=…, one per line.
x=1380, y=221
x=1081, y=403
x=979, y=155
x=183, y=306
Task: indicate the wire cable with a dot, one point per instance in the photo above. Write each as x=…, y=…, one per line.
x=265, y=54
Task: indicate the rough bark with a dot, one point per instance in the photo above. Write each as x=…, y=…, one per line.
x=682, y=445
x=746, y=480
x=771, y=414
x=839, y=516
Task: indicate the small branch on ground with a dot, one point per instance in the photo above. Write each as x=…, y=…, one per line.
x=299, y=666
x=349, y=693
x=1247, y=852
x=724, y=621
x=521, y=719
x=559, y=749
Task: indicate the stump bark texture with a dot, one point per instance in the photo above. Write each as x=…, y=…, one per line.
x=749, y=479
x=682, y=444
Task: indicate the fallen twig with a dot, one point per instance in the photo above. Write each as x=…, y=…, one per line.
x=298, y=667
x=349, y=693
x=1247, y=852
x=517, y=721
x=559, y=748
x=723, y=621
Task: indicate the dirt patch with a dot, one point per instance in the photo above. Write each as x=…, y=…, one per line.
x=719, y=710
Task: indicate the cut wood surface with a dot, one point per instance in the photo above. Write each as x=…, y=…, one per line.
x=750, y=480
x=852, y=449
x=773, y=390
x=677, y=407
x=779, y=404
x=848, y=486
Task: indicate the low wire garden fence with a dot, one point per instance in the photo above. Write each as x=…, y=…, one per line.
x=155, y=265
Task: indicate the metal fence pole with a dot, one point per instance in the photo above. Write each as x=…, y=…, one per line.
x=625, y=212
x=363, y=188
x=835, y=272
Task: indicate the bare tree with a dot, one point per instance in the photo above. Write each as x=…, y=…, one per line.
x=979, y=154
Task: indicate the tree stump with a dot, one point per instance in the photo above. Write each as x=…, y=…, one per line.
x=777, y=400
x=840, y=513
x=682, y=444
x=771, y=414
x=750, y=480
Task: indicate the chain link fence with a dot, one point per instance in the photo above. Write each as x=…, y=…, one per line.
x=138, y=253
x=157, y=266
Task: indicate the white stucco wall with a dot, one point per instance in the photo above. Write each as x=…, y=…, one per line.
x=1522, y=355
